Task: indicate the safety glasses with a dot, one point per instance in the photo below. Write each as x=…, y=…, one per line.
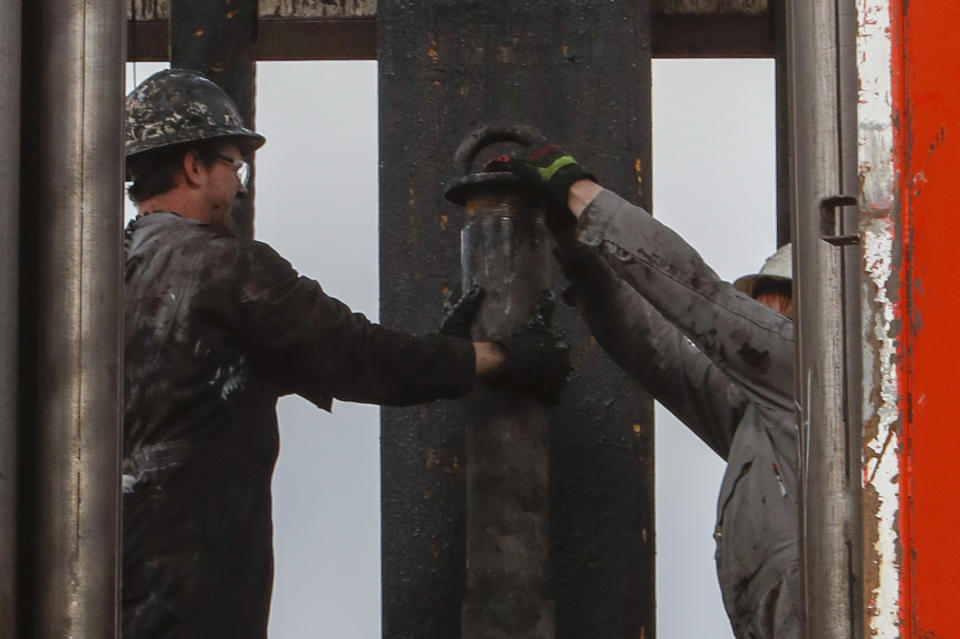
x=240, y=167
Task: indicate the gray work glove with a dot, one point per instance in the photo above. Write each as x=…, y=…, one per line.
x=538, y=359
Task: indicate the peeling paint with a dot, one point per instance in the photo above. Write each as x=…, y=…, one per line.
x=881, y=392
x=882, y=468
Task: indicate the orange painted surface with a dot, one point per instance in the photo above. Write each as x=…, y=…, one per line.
x=927, y=68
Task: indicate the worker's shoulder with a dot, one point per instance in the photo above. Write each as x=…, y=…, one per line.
x=214, y=256
x=170, y=231
x=247, y=260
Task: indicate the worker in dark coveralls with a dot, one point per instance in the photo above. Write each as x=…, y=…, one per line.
x=216, y=329
x=719, y=356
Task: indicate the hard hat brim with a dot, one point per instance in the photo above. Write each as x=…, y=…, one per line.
x=248, y=141
x=748, y=283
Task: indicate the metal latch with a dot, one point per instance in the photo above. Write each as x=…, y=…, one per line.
x=832, y=229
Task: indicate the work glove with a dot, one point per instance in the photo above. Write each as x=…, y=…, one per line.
x=460, y=315
x=538, y=359
x=549, y=169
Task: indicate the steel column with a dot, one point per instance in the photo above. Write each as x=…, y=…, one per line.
x=217, y=38
x=820, y=48
x=72, y=215
x=10, y=14
x=579, y=71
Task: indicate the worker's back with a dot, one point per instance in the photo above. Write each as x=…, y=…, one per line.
x=200, y=439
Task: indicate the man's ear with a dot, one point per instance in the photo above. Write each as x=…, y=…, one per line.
x=194, y=170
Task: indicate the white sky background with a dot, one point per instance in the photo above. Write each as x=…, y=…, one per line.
x=714, y=182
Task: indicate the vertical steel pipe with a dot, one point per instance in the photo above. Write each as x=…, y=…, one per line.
x=505, y=249
x=821, y=40
x=10, y=15
x=74, y=207
x=216, y=38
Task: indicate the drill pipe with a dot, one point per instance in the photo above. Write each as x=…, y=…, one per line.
x=504, y=248
x=72, y=201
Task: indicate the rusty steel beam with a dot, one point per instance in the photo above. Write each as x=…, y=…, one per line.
x=277, y=39
x=315, y=30
x=712, y=36
x=146, y=10
x=217, y=39
x=673, y=36
x=316, y=39
x=446, y=67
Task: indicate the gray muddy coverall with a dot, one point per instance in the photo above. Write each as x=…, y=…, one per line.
x=724, y=365
x=217, y=328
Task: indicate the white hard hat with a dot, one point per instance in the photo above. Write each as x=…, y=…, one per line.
x=778, y=267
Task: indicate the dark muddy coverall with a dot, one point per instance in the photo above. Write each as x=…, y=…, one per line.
x=724, y=365
x=217, y=328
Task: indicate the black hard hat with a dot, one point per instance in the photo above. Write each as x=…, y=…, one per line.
x=178, y=106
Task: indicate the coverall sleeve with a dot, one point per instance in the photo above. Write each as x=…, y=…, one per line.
x=653, y=352
x=752, y=344
x=314, y=346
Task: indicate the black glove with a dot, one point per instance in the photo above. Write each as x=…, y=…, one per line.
x=538, y=358
x=549, y=169
x=460, y=316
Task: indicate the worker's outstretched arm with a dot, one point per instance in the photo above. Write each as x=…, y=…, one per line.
x=751, y=343
x=651, y=350
x=315, y=346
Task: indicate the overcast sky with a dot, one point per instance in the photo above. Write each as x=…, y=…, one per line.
x=714, y=182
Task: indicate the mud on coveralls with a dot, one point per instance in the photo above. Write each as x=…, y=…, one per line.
x=724, y=365
x=217, y=328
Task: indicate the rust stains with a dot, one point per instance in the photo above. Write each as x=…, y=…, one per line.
x=432, y=51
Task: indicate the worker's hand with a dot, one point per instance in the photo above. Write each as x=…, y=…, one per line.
x=548, y=168
x=538, y=359
x=460, y=316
